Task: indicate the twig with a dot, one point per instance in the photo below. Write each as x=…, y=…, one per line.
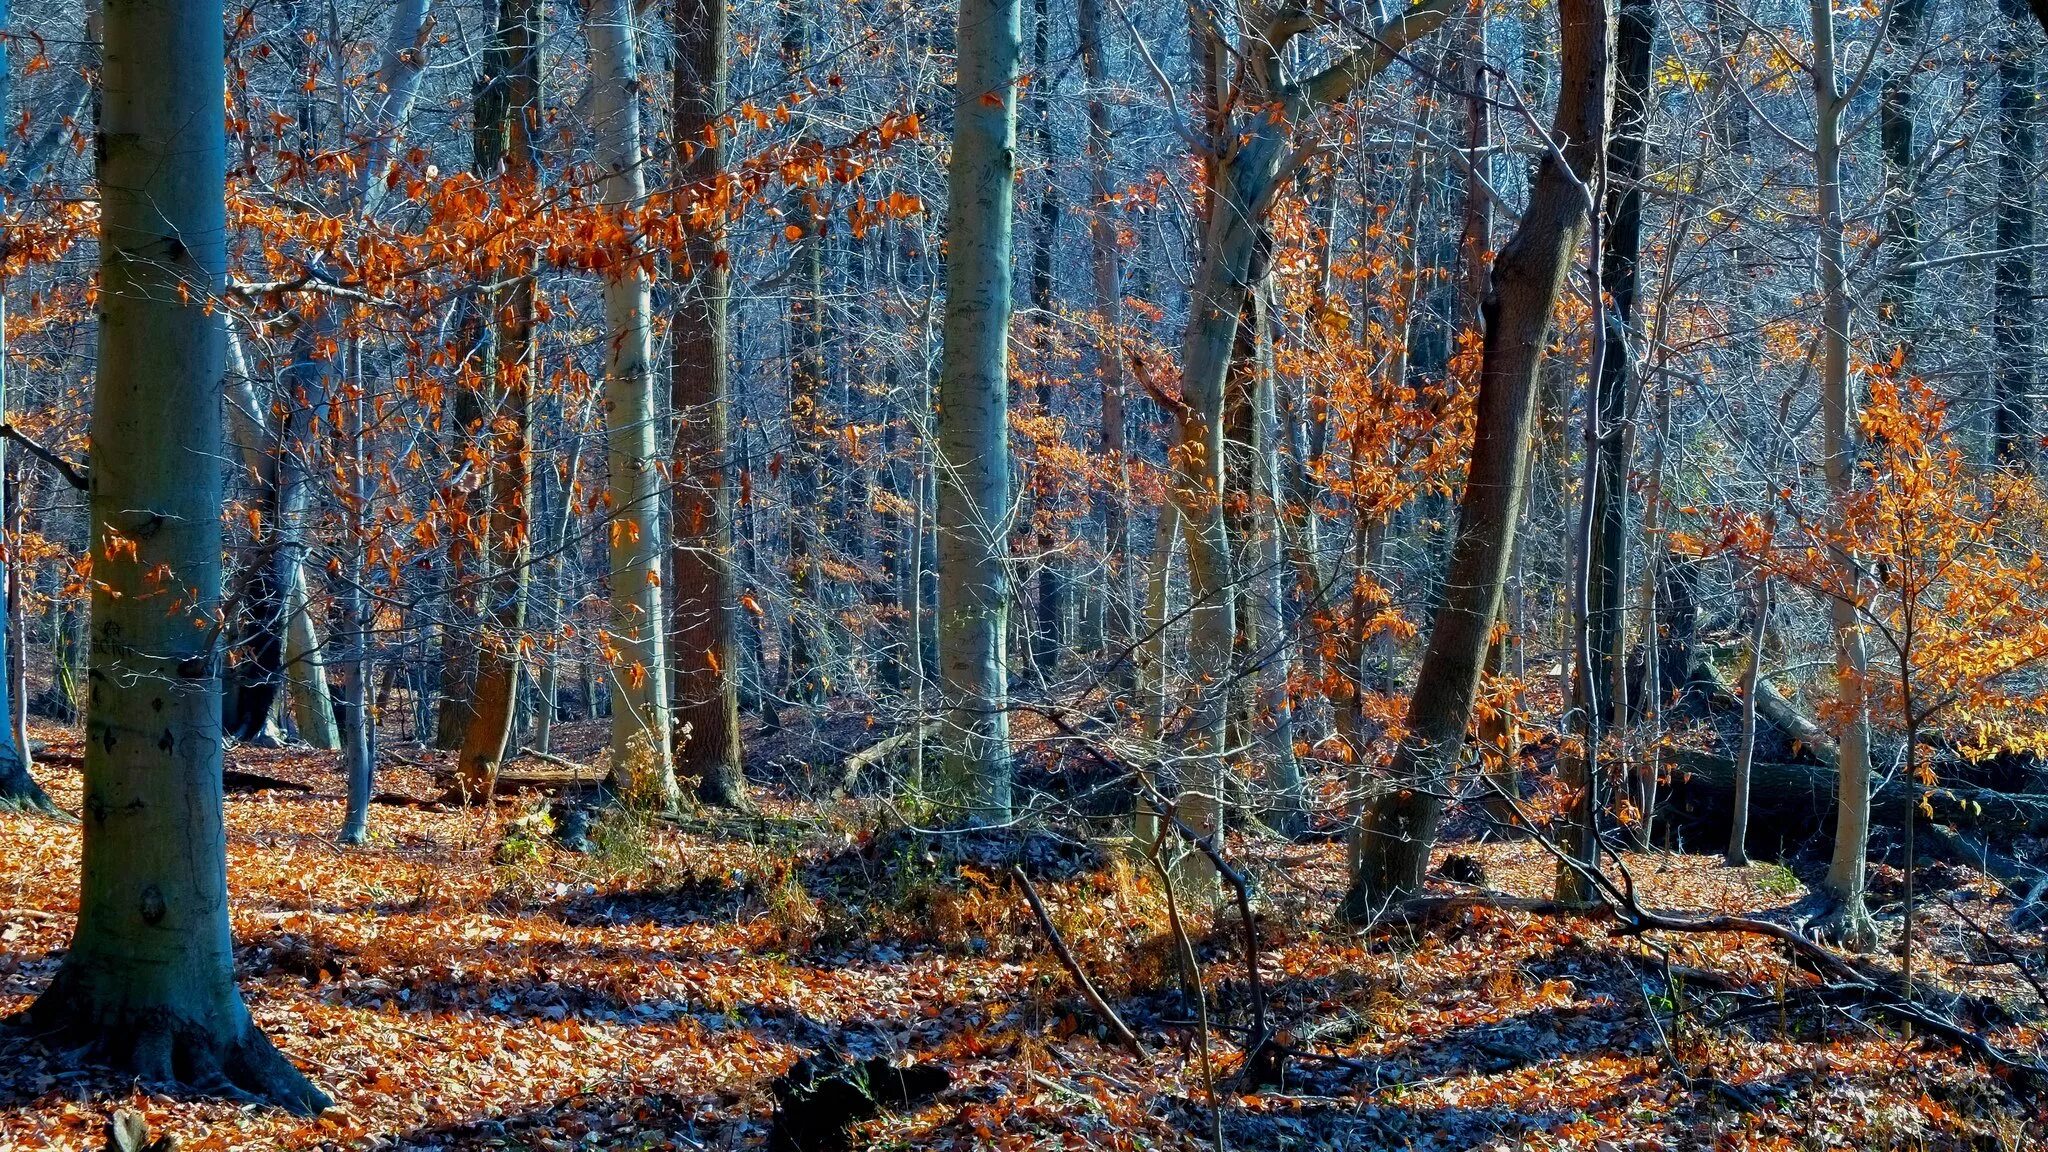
x=1194, y=969
x=1109, y=1016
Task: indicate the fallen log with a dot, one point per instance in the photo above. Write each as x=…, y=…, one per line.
x=1704, y=782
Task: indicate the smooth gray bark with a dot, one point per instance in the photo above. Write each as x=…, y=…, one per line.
x=148, y=980
x=638, y=671
x=974, y=452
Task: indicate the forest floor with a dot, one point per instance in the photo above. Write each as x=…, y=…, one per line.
x=464, y=983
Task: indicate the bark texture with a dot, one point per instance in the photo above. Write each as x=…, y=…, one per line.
x=638, y=667
x=706, y=585
x=1401, y=824
x=974, y=388
x=148, y=980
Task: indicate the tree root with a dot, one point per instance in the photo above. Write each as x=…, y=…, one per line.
x=20, y=793
x=230, y=1059
x=1846, y=924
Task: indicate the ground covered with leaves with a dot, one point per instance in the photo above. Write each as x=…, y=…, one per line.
x=465, y=983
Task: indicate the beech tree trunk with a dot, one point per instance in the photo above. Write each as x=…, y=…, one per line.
x=974, y=388
x=17, y=787
x=148, y=981
x=508, y=111
x=1846, y=872
x=706, y=658
x=638, y=671
x=1401, y=825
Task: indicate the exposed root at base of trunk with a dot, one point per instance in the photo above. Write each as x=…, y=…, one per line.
x=1846, y=924
x=20, y=793
x=163, y=1051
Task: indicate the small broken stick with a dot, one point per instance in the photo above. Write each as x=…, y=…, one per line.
x=1109, y=1016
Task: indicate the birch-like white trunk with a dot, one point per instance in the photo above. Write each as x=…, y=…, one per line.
x=639, y=671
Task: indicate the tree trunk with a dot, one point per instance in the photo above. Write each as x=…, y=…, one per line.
x=1401, y=826
x=2016, y=434
x=1895, y=130
x=974, y=449
x=359, y=736
x=1745, y=756
x=639, y=670
x=1113, y=500
x=1845, y=877
x=1049, y=639
x=1600, y=688
x=508, y=111
x=148, y=981
x=706, y=658
x=1286, y=800
x=17, y=787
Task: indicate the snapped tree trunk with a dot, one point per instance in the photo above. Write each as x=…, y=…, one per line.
x=973, y=417
x=148, y=981
x=1401, y=825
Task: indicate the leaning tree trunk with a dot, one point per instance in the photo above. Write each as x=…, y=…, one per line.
x=974, y=389
x=639, y=669
x=1846, y=872
x=706, y=657
x=149, y=978
x=1401, y=826
x=1248, y=166
x=508, y=110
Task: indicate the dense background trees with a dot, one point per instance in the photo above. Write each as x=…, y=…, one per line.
x=1324, y=421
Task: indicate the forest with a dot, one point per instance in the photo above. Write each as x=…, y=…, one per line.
x=841, y=574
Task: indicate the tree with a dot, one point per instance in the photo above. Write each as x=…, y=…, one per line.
x=706, y=653
x=639, y=669
x=1400, y=826
x=2016, y=431
x=1600, y=627
x=17, y=787
x=1847, y=870
x=148, y=980
x=1249, y=153
x=973, y=413
x=507, y=115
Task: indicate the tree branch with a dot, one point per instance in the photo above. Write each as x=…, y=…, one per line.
x=77, y=476
x=1390, y=39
